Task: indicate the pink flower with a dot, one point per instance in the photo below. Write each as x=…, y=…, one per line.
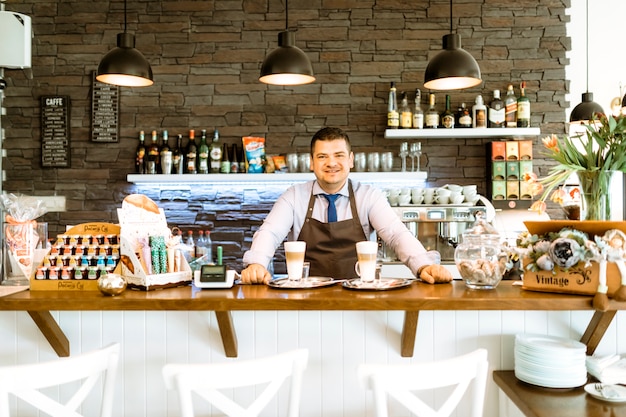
x=558, y=196
x=538, y=206
x=551, y=142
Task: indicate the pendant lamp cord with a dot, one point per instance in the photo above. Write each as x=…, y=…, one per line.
x=587, y=43
x=287, y=15
x=124, y=16
x=450, y=16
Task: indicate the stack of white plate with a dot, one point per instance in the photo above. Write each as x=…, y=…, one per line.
x=551, y=362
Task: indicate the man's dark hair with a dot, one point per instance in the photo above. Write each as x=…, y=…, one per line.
x=330, y=133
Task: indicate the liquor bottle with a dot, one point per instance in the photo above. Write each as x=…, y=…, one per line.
x=479, y=113
x=234, y=162
x=177, y=156
x=153, y=155
x=418, y=113
x=165, y=154
x=464, y=117
x=225, y=163
x=497, y=112
x=523, y=107
x=406, y=117
x=191, y=154
x=431, y=118
x=447, y=117
x=203, y=155
x=242, y=161
x=393, y=118
x=140, y=155
x=510, y=105
x=216, y=153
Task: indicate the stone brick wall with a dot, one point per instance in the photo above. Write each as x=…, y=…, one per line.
x=206, y=56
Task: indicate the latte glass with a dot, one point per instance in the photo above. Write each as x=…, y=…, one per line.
x=365, y=267
x=294, y=255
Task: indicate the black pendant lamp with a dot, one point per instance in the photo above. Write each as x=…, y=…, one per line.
x=125, y=66
x=287, y=64
x=453, y=68
x=587, y=109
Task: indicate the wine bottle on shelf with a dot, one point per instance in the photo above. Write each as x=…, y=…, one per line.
x=215, y=154
x=464, y=117
x=191, y=153
x=447, y=117
x=497, y=111
x=406, y=116
x=242, y=161
x=431, y=117
x=203, y=155
x=225, y=163
x=418, y=113
x=234, y=160
x=479, y=113
x=153, y=154
x=165, y=154
x=177, y=156
x=140, y=155
x=523, y=107
x=393, y=117
x=510, y=105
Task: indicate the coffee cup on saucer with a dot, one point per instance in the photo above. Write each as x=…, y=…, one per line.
x=417, y=199
x=442, y=199
x=404, y=199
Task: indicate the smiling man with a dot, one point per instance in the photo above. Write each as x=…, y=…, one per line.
x=331, y=214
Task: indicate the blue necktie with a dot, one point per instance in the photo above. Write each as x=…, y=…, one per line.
x=332, y=210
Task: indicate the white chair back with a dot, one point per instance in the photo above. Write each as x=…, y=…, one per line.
x=206, y=380
x=403, y=382
x=80, y=372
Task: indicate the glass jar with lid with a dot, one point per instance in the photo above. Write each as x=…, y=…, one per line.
x=480, y=257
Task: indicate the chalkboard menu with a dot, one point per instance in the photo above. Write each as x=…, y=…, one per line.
x=55, y=132
x=105, y=104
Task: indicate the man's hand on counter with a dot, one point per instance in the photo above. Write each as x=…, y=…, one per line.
x=255, y=274
x=435, y=274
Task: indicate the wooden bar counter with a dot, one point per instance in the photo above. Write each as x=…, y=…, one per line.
x=418, y=296
x=536, y=401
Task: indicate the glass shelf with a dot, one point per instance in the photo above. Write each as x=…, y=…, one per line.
x=365, y=177
x=511, y=133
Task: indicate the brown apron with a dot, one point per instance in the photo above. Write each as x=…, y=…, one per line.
x=331, y=247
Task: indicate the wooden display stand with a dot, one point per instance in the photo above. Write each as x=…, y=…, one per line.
x=578, y=279
x=91, y=229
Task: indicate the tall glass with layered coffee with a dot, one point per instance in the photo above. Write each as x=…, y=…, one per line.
x=294, y=255
x=366, y=252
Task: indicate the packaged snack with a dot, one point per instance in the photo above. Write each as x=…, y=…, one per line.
x=269, y=164
x=254, y=151
x=280, y=165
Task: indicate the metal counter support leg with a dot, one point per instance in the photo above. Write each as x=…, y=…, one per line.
x=600, y=321
x=227, y=331
x=51, y=331
x=409, y=330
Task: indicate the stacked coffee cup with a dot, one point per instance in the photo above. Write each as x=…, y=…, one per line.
x=448, y=194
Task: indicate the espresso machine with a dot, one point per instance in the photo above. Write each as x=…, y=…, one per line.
x=439, y=227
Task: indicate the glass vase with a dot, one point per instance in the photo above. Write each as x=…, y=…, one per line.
x=595, y=188
x=18, y=253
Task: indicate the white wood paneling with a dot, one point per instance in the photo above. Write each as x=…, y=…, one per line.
x=337, y=341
